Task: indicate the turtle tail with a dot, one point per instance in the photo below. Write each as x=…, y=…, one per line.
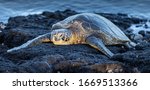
x=38, y=40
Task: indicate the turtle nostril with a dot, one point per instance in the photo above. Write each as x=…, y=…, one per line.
x=61, y=35
x=56, y=39
x=65, y=38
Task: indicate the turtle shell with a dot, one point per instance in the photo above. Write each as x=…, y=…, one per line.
x=95, y=23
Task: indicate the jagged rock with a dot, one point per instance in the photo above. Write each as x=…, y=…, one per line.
x=35, y=67
x=16, y=36
x=3, y=48
x=7, y=66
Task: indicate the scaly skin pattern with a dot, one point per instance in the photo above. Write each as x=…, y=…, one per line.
x=79, y=34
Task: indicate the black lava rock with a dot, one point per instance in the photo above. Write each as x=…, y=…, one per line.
x=7, y=66
x=143, y=33
x=48, y=58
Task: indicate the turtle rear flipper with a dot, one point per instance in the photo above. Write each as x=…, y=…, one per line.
x=130, y=44
x=98, y=44
x=38, y=40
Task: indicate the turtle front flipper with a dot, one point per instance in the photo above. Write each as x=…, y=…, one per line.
x=98, y=44
x=38, y=40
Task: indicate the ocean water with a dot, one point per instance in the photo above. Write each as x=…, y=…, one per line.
x=10, y=8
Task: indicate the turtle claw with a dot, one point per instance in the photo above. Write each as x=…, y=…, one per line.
x=13, y=49
x=10, y=50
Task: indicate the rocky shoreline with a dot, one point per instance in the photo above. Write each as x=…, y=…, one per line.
x=49, y=58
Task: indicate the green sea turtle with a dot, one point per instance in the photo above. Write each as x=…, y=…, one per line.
x=85, y=28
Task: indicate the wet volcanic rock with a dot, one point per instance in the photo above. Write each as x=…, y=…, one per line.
x=48, y=57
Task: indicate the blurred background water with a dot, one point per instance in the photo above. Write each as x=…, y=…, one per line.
x=10, y=8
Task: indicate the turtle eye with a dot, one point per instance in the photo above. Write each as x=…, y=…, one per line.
x=61, y=35
x=65, y=38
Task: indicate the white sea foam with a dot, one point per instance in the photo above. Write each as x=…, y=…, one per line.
x=11, y=8
x=140, y=27
x=139, y=15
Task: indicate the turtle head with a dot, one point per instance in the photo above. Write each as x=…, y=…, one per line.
x=61, y=37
